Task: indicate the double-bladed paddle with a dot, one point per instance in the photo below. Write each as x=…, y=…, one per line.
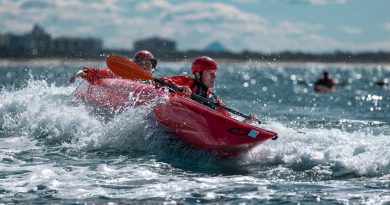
x=127, y=69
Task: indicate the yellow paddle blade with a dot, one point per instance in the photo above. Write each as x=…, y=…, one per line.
x=126, y=68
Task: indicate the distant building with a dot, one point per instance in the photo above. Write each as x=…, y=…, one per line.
x=10, y=40
x=35, y=43
x=38, y=43
x=12, y=45
x=160, y=47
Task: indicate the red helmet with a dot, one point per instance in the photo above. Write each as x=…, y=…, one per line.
x=145, y=55
x=203, y=63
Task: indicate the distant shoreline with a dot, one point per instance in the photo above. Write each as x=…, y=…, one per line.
x=89, y=62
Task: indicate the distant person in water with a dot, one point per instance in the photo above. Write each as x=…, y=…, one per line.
x=325, y=84
x=143, y=58
x=204, y=70
x=383, y=83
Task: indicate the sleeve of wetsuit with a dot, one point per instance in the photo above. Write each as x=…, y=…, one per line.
x=94, y=74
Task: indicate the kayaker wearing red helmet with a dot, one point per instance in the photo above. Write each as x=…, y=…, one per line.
x=146, y=60
x=143, y=58
x=204, y=69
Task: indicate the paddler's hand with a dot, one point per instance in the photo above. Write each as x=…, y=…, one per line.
x=78, y=73
x=252, y=118
x=186, y=91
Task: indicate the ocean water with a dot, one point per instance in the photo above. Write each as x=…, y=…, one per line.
x=333, y=148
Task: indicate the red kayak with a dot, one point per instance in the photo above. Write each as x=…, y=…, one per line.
x=193, y=122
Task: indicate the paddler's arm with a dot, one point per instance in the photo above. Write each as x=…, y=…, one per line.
x=77, y=74
x=252, y=118
x=92, y=74
x=186, y=91
x=184, y=83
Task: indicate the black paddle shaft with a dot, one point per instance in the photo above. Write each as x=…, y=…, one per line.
x=202, y=99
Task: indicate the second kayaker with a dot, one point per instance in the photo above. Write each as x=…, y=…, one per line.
x=325, y=84
x=204, y=70
x=143, y=58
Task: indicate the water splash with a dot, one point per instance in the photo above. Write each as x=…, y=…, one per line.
x=332, y=153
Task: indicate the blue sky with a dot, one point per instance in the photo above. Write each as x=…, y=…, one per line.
x=256, y=25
